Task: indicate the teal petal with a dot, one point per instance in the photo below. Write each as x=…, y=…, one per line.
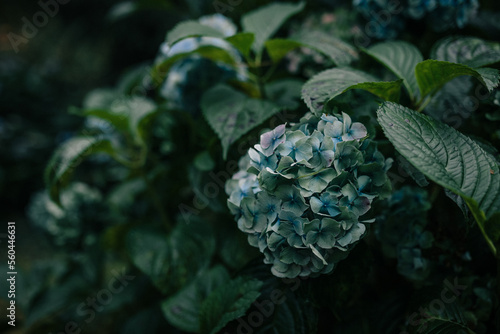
x=302, y=150
x=349, y=191
x=269, y=179
x=274, y=240
x=326, y=120
x=255, y=221
x=292, y=199
x=347, y=156
x=287, y=254
x=287, y=230
x=355, y=132
x=285, y=164
x=353, y=235
x=330, y=226
x=269, y=141
x=326, y=240
x=334, y=130
x=315, y=181
x=291, y=145
x=346, y=120
x=311, y=231
x=325, y=205
x=268, y=205
x=359, y=206
x=298, y=222
x=260, y=161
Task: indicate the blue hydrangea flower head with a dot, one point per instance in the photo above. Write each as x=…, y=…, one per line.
x=302, y=194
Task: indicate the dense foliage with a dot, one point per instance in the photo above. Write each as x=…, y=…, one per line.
x=274, y=167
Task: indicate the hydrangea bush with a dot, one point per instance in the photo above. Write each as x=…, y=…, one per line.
x=306, y=195
x=302, y=194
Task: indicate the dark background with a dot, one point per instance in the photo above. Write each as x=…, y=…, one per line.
x=87, y=44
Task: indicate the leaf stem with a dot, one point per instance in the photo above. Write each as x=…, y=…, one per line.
x=434, y=193
x=270, y=72
x=141, y=167
x=260, y=80
x=480, y=219
x=424, y=101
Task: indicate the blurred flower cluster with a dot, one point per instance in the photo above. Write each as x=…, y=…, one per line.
x=191, y=76
x=402, y=231
x=75, y=221
x=388, y=18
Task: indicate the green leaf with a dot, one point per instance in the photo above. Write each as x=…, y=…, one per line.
x=292, y=316
x=433, y=74
x=285, y=93
x=163, y=257
x=447, y=157
x=118, y=121
x=147, y=320
x=242, y=42
x=227, y=303
x=183, y=309
x=278, y=48
x=470, y=51
x=329, y=84
x=451, y=320
x=388, y=90
x=68, y=156
x=401, y=58
x=287, y=310
x=125, y=113
x=232, y=114
x=234, y=249
x=190, y=29
x=54, y=299
x=99, y=103
x=139, y=109
x=150, y=250
x=340, y=52
x=264, y=22
x=99, y=98
x=491, y=77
